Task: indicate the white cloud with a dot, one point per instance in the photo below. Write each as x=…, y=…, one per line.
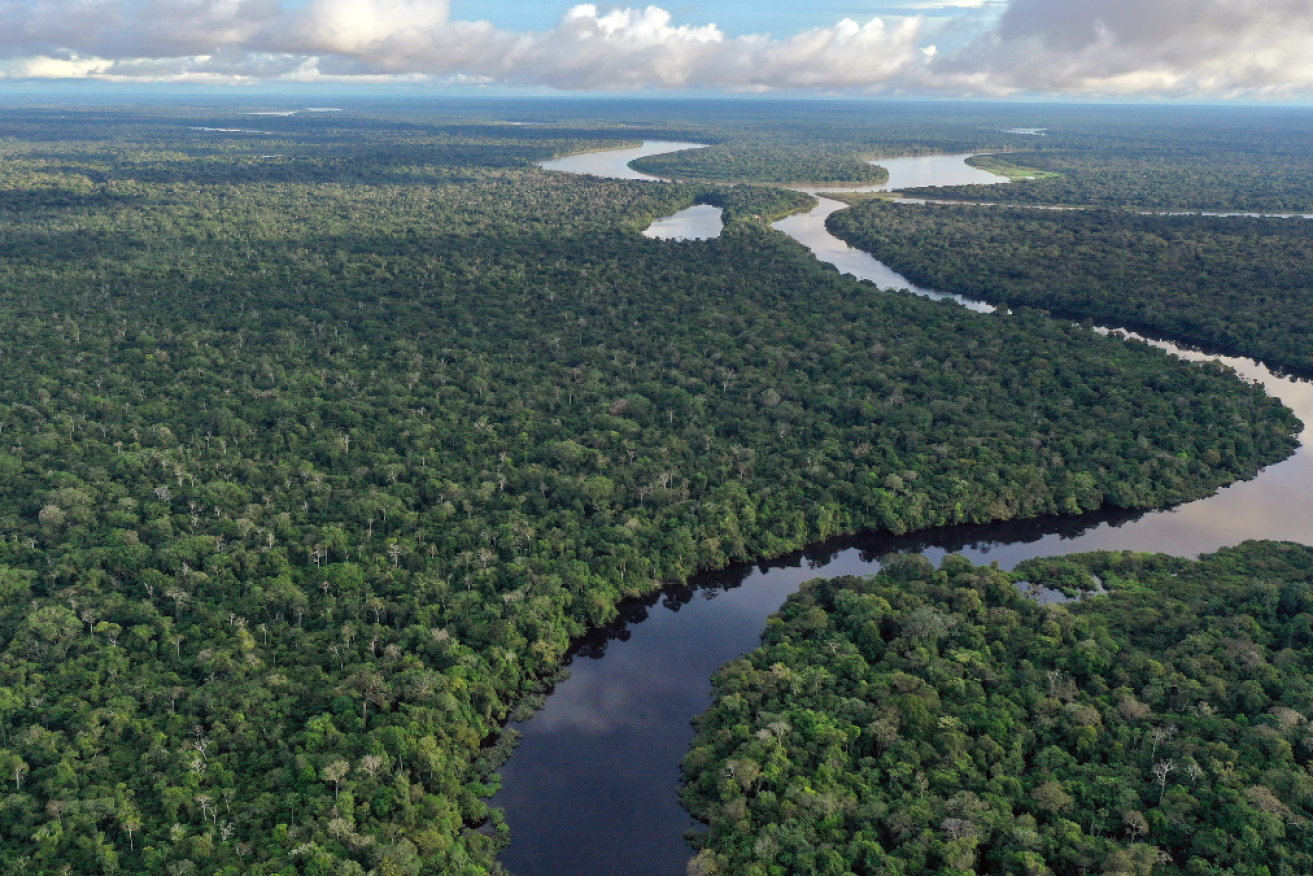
x=1115, y=47
x=354, y=26
x=589, y=47
x=632, y=49
x=1138, y=47
x=42, y=67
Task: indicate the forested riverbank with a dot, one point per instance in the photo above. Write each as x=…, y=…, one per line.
x=587, y=703
x=765, y=163
x=1267, y=171
x=1233, y=283
x=931, y=720
x=1163, y=158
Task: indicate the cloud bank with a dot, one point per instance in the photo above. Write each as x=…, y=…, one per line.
x=1226, y=48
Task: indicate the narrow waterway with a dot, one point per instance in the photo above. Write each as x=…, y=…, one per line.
x=592, y=789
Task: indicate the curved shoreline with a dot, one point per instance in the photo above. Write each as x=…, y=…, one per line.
x=609, y=740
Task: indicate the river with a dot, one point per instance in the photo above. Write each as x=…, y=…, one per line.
x=592, y=788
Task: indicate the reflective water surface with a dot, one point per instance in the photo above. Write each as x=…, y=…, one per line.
x=809, y=230
x=592, y=788
x=614, y=163
x=699, y=222
x=910, y=171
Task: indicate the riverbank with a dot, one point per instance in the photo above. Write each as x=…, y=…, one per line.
x=592, y=787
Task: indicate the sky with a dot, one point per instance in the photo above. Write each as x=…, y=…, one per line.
x=735, y=17
x=1242, y=50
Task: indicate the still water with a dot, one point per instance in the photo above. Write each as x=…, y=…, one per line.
x=699, y=222
x=592, y=789
x=614, y=163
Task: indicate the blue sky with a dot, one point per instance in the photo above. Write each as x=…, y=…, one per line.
x=733, y=16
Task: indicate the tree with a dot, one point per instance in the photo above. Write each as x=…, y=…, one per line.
x=335, y=771
x=370, y=764
x=370, y=687
x=1160, y=771
x=1136, y=824
x=131, y=822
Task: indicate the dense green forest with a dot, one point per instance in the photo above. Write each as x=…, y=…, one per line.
x=1233, y=283
x=318, y=447
x=929, y=720
x=1261, y=176
x=771, y=162
x=1006, y=166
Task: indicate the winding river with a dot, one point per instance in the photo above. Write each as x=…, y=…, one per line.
x=592, y=788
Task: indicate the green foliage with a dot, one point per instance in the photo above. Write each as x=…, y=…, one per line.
x=1236, y=284
x=765, y=162
x=1269, y=171
x=1179, y=158
x=1004, y=168
x=938, y=721
x=1215, y=158
x=313, y=466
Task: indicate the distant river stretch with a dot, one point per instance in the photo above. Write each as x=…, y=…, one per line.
x=592, y=789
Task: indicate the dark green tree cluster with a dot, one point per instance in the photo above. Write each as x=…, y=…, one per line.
x=1236, y=284
x=311, y=467
x=1261, y=176
x=765, y=162
x=931, y=720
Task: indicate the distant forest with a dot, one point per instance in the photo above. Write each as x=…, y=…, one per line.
x=1179, y=158
x=1265, y=171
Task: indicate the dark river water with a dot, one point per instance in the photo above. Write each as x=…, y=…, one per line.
x=592, y=789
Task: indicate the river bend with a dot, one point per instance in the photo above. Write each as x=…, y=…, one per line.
x=592, y=789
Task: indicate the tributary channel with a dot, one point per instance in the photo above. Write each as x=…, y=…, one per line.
x=591, y=791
